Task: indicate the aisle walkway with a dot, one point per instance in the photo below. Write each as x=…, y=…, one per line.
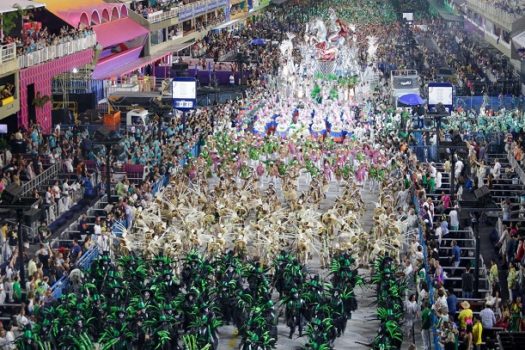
x=361, y=328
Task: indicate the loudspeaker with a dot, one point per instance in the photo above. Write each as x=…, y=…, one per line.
x=12, y=193
x=482, y=192
x=32, y=215
x=18, y=147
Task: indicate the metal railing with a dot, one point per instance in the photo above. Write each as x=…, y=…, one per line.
x=57, y=51
x=57, y=209
x=163, y=16
x=488, y=9
x=7, y=53
x=152, y=84
x=83, y=263
x=186, y=11
x=517, y=167
x=49, y=174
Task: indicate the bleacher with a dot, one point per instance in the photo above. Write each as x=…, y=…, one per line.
x=467, y=242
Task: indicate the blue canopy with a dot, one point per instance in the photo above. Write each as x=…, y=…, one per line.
x=258, y=42
x=411, y=100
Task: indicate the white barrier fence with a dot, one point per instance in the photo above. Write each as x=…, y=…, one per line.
x=197, y=8
x=7, y=53
x=57, y=51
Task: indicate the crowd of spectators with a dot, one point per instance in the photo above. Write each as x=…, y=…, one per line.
x=161, y=156
x=512, y=7
x=147, y=7
x=6, y=90
x=34, y=37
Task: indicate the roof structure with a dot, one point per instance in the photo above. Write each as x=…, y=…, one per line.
x=7, y=6
x=118, y=31
x=85, y=12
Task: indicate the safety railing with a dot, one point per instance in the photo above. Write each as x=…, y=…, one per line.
x=65, y=202
x=49, y=174
x=186, y=12
x=28, y=231
x=83, y=263
x=516, y=166
x=156, y=17
x=7, y=53
x=57, y=51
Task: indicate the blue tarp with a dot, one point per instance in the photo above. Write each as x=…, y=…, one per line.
x=411, y=100
x=258, y=42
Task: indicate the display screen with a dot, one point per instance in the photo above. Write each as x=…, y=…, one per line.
x=409, y=16
x=3, y=128
x=184, y=90
x=440, y=94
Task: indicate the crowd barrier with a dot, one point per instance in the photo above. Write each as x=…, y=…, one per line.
x=494, y=102
x=83, y=264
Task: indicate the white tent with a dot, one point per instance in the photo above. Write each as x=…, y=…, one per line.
x=11, y=5
x=7, y=6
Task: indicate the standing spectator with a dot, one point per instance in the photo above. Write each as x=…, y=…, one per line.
x=76, y=252
x=477, y=332
x=493, y=276
x=448, y=336
x=452, y=302
x=496, y=169
x=83, y=226
x=468, y=343
x=411, y=312
x=467, y=283
x=512, y=281
x=488, y=319
x=456, y=254
x=516, y=315
x=426, y=324
x=445, y=199
x=453, y=217
x=505, y=206
x=465, y=316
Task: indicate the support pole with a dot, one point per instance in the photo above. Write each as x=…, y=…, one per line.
x=453, y=178
x=475, y=232
x=20, y=216
x=108, y=173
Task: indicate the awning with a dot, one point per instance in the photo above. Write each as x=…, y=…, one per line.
x=119, y=31
x=144, y=61
x=10, y=5
x=519, y=40
x=227, y=24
